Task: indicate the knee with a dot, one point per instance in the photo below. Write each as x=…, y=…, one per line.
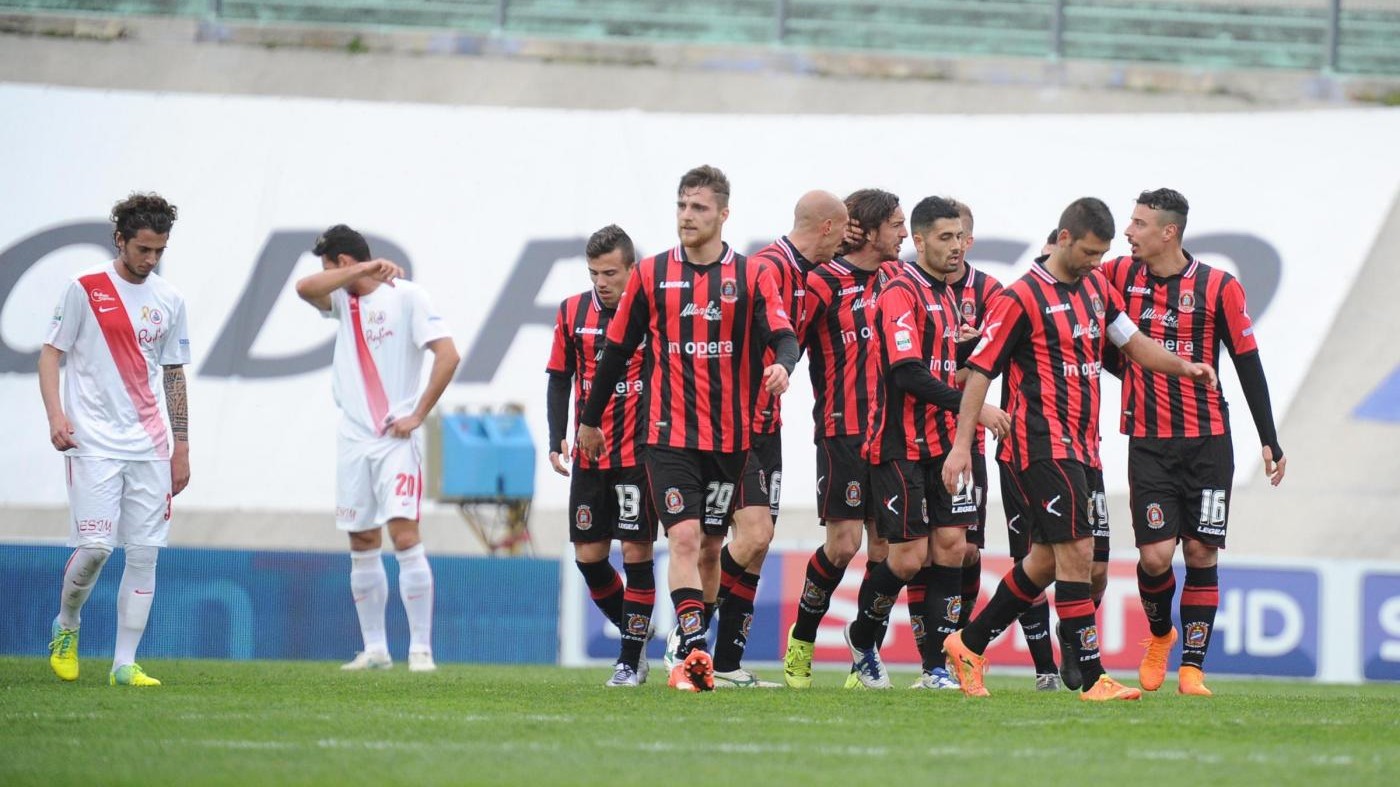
x=971, y=555
x=636, y=552
x=685, y=545
x=1200, y=555
x=365, y=540
x=1155, y=561
x=141, y=557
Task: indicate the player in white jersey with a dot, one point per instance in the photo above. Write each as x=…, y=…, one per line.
x=122, y=424
x=384, y=324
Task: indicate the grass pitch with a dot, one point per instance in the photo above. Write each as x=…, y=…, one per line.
x=253, y=723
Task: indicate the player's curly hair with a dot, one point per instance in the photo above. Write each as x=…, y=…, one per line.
x=1170, y=203
x=706, y=176
x=142, y=212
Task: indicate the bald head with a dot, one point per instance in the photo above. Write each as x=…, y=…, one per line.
x=818, y=225
x=816, y=207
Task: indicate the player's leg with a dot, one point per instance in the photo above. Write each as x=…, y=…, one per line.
x=399, y=490
x=1035, y=621
x=94, y=500
x=635, y=526
x=976, y=542
x=593, y=499
x=144, y=528
x=1015, y=593
x=1158, y=516
x=1213, y=469
x=742, y=560
x=949, y=515
x=355, y=513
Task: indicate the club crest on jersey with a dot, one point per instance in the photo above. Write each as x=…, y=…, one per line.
x=152, y=316
x=729, y=291
x=1097, y=303
x=690, y=622
x=637, y=625
x=1196, y=634
x=853, y=494
x=812, y=595
x=969, y=310
x=953, y=607
x=1089, y=638
x=1155, y=518
x=1186, y=303
x=583, y=518
x=675, y=503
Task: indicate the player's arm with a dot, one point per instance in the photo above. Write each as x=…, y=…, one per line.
x=625, y=334
x=445, y=360
x=60, y=429
x=1235, y=326
x=957, y=467
x=774, y=330
x=561, y=369
x=316, y=289
x=178, y=408
x=1154, y=357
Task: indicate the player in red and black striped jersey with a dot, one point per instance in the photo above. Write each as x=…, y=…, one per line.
x=911, y=428
x=836, y=328
x=1048, y=330
x=1180, y=457
x=609, y=497
x=819, y=225
x=706, y=313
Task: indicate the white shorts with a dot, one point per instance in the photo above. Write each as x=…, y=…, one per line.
x=118, y=502
x=377, y=480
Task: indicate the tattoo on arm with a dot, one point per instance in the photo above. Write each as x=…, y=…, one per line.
x=176, y=403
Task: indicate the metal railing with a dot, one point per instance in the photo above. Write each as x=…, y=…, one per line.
x=1335, y=36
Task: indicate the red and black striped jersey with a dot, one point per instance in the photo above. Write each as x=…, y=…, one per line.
x=916, y=321
x=789, y=269
x=1049, y=337
x=705, y=327
x=579, y=335
x=1190, y=314
x=972, y=292
x=837, y=328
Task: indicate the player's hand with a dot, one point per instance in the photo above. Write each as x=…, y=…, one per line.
x=775, y=379
x=957, y=470
x=967, y=332
x=403, y=427
x=590, y=442
x=1203, y=374
x=557, y=459
x=1272, y=469
x=61, y=433
x=996, y=420
x=383, y=270
x=179, y=468
x=855, y=236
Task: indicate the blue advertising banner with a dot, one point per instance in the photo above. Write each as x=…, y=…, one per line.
x=1380, y=648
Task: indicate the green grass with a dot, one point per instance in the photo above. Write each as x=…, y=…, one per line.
x=254, y=723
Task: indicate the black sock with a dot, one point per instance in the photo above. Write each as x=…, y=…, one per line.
x=1014, y=595
x=1035, y=627
x=1156, y=593
x=915, y=593
x=1199, y=599
x=729, y=573
x=638, y=602
x=605, y=586
x=971, y=589
x=823, y=577
x=942, y=609
x=1076, y=611
x=877, y=596
x=710, y=608
x=690, y=617
x=884, y=626
x=735, y=618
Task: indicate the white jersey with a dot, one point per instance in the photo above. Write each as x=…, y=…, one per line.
x=378, y=364
x=117, y=336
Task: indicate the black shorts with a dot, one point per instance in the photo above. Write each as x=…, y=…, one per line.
x=1098, y=513
x=614, y=503
x=843, y=480
x=1018, y=513
x=977, y=531
x=762, y=481
x=1057, y=500
x=690, y=484
x=912, y=500
x=1180, y=488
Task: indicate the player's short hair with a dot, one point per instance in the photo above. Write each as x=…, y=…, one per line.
x=142, y=212
x=611, y=238
x=339, y=240
x=706, y=176
x=1170, y=203
x=1085, y=215
x=964, y=212
x=929, y=211
x=1052, y=238
x=869, y=208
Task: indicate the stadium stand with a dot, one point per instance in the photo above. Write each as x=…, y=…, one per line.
x=1338, y=36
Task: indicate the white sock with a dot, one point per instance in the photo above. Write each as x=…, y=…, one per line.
x=369, y=586
x=79, y=578
x=134, y=597
x=416, y=590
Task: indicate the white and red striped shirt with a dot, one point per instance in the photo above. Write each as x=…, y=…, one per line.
x=117, y=336
x=378, y=367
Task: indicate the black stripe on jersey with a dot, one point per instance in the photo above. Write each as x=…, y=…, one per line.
x=1055, y=352
x=665, y=357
